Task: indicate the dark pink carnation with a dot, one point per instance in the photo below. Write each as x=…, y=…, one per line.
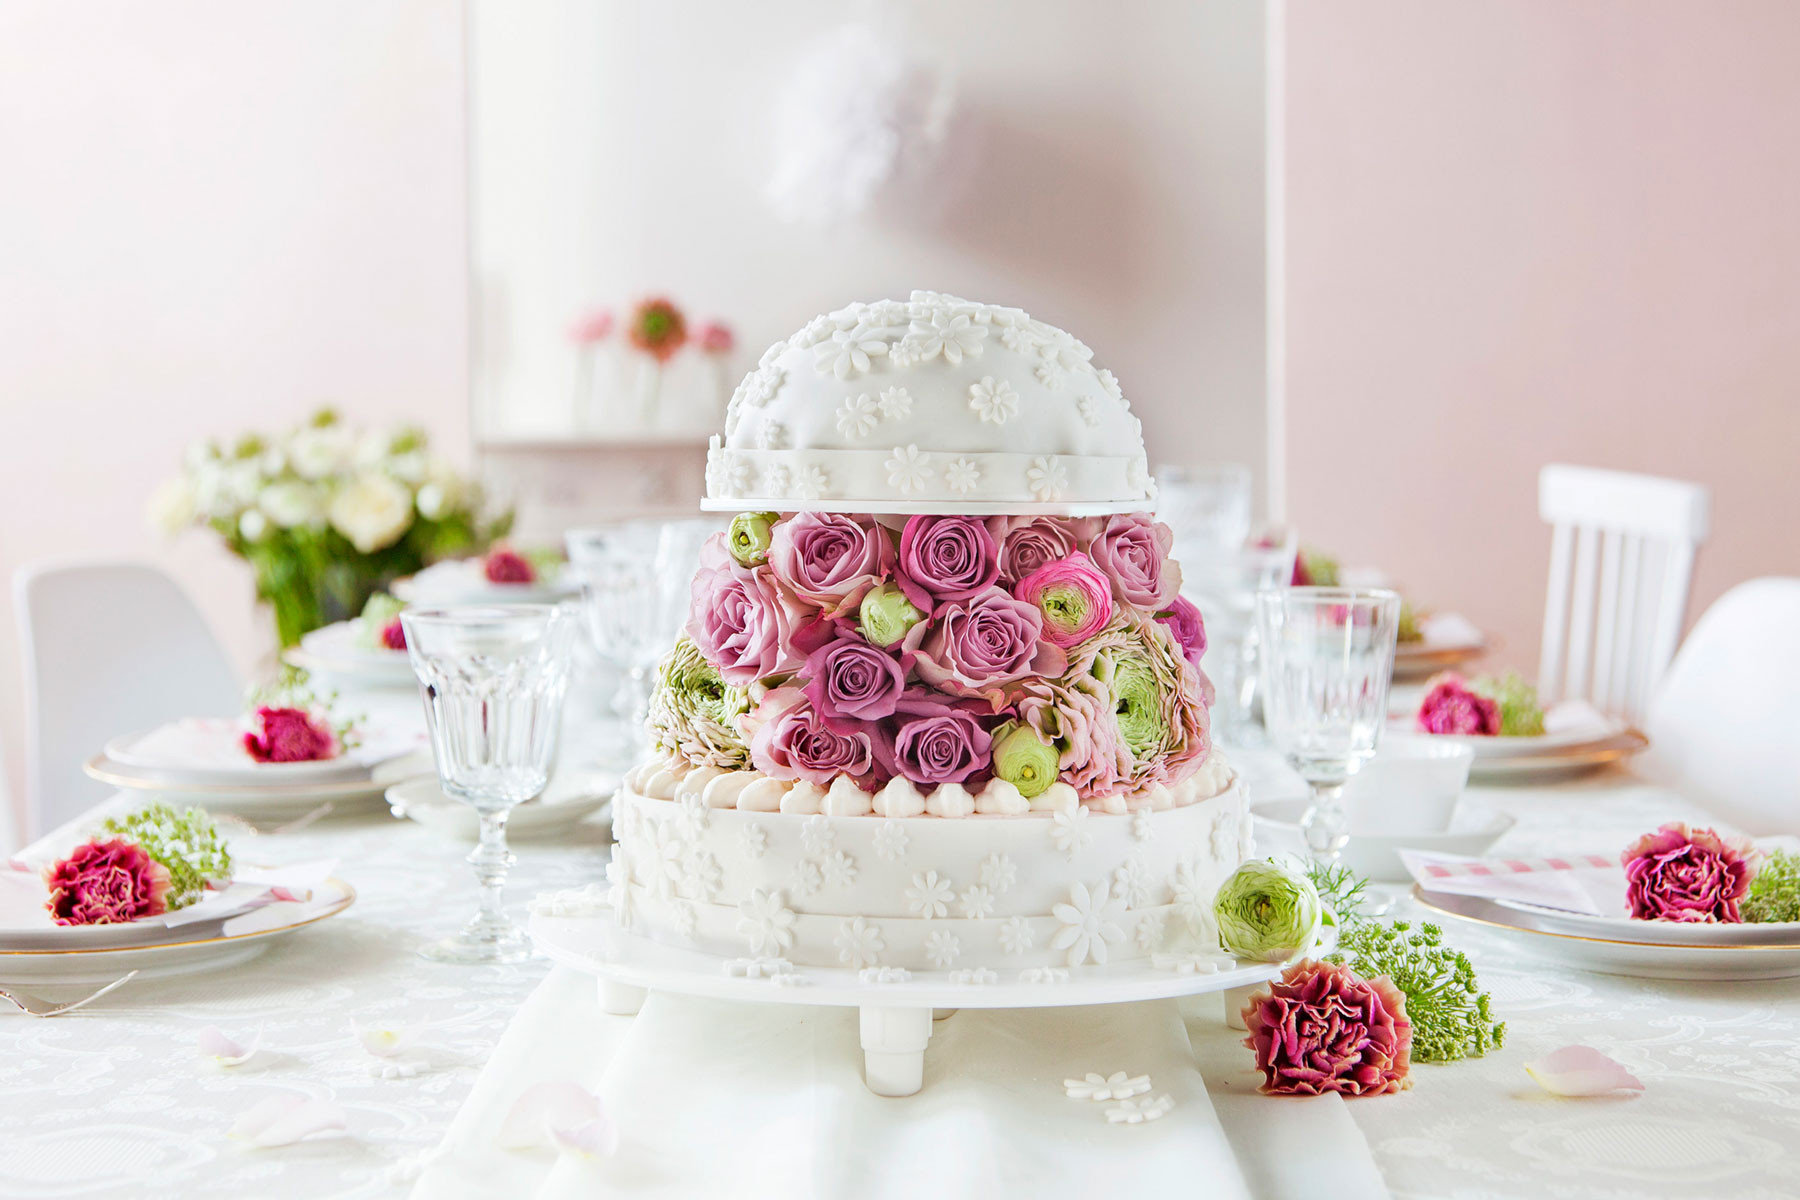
x=830, y=560
x=973, y=647
x=1183, y=620
x=1133, y=550
x=934, y=739
x=848, y=679
x=393, y=635
x=948, y=558
x=106, y=883
x=1450, y=707
x=792, y=741
x=740, y=619
x=508, y=566
x=1028, y=543
x=289, y=735
x=1682, y=874
x=1323, y=1028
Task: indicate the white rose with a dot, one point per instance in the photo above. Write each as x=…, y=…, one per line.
x=243, y=482
x=317, y=453
x=372, y=511
x=372, y=448
x=173, y=505
x=211, y=498
x=253, y=525
x=432, y=502
x=292, y=503
x=409, y=467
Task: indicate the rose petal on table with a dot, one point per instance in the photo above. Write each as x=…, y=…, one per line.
x=285, y=1119
x=559, y=1113
x=1581, y=1071
x=385, y=1041
x=597, y=1137
x=223, y=1050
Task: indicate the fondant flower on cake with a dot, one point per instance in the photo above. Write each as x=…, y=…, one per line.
x=1089, y=923
x=687, y=919
x=962, y=475
x=857, y=416
x=1191, y=903
x=771, y=435
x=1047, y=478
x=765, y=921
x=1322, y=1028
x=1084, y=408
x=895, y=404
x=859, y=943
x=664, y=870
x=811, y=483
x=1450, y=706
x=847, y=353
x=1688, y=875
x=839, y=869
x=618, y=895
x=942, y=949
x=998, y=873
x=976, y=902
x=806, y=879
x=1131, y=882
x=793, y=741
x=952, y=336
x=1133, y=550
x=995, y=403
x=1073, y=596
x=1069, y=831
x=776, y=480
x=1150, y=930
x=106, y=883
x=1016, y=936
x=890, y=841
x=908, y=470
x=830, y=560
x=929, y=896
x=816, y=834
x=755, y=840
x=1049, y=369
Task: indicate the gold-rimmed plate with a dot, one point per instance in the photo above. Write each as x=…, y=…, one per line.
x=1559, y=764
x=1417, y=660
x=267, y=801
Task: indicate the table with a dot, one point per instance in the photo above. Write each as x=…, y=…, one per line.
x=116, y=1101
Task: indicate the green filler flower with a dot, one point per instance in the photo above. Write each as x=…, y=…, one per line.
x=694, y=712
x=187, y=844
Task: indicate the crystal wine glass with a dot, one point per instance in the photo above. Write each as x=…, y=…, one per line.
x=1207, y=506
x=623, y=605
x=492, y=679
x=1327, y=660
x=1225, y=584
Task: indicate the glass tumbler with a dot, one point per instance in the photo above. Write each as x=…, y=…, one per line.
x=1327, y=658
x=492, y=680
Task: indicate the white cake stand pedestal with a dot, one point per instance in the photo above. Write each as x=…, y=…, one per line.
x=895, y=1008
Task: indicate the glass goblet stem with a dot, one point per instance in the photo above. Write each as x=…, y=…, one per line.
x=1325, y=826
x=491, y=860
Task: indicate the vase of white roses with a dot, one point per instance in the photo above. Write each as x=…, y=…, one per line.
x=327, y=515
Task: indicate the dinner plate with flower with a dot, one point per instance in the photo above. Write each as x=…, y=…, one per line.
x=341, y=654
x=209, y=752
x=465, y=581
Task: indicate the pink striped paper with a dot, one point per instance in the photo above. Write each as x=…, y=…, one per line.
x=1516, y=866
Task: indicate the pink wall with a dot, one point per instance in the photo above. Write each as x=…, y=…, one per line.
x=216, y=216
x=1524, y=231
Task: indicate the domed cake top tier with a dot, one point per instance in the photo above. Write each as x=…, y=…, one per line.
x=929, y=405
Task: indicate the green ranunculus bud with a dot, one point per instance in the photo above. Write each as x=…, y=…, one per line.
x=1268, y=912
x=1024, y=759
x=749, y=537
x=887, y=614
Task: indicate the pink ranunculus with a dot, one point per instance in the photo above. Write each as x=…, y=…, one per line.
x=393, y=635
x=743, y=622
x=792, y=741
x=1075, y=714
x=1133, y=550
x=933, y=739
x=592, y=327
x=1323, y=1028
x=106, y=883
x=1184, y=622
x=290, y=735
x=976, y=646
x=1450, y=707
x=1073, y=596
x=1028, y=543
x=1682, y=874
x=850, y=680
x=715, y=337
x=508, y=566
x=830, y=560
x=948, y=558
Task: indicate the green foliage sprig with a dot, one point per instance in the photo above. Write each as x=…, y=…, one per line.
x=1520, y=713
x=186, y=843
x=1774, y=893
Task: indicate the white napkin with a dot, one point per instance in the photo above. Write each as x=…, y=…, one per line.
x=218, y=743
x=1449, y=629
x=1596, y=891
x=1576, y=716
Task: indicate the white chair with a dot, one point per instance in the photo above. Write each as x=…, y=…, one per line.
x=107, y=648
x=1725, y=725
x=1621, y=560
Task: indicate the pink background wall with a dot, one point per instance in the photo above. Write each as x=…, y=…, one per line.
x=1524, y=231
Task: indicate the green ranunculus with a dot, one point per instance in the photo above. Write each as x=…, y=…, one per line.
x=1024, y=759
x=1268, y=912
x=694, y=712
x=749, y=537
x=1140, y=707
x=887, y=615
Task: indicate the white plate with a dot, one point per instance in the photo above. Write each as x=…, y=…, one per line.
x=1376, y=856
x=1608, y=956
x=337, y=653
x=1663, y=933
x=464, y=581
x=209, y=752
x=270, y=802
x=421, y=800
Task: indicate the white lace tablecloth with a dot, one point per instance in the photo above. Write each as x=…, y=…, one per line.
x=117, y=1101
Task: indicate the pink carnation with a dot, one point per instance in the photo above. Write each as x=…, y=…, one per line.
x=741, y=620
x=1322, y=1028
x=1450, y=707
x=1682, y=874
x=393, y=635
x=792, y=741
x=106, y=883
x=285, y=735
x=1073, y=596
x=1133, y=550
x=830, y=560
x=508, y=566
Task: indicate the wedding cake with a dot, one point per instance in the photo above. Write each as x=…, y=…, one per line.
x=938, y=703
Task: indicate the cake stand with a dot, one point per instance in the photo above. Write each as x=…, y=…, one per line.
x=895, y=1014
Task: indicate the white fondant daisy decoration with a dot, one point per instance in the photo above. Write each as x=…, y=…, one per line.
x=976, y=976
x=995, y=403
x=1189, y=963
x=952, y=335
x=694, y=816
x=1021, y=339
x=1191, y=903
x=1049, y=369
x=1069, y=829
x=1016, y=936
x=737, y=473
x=1131, y=882
x=857, y=416
x=859, y=943
x=909, y=469
x=1150, y=928
x=884, y=975
x=771, y=435
x=1095, y=1086
x=811, y=483
x=777, y=480
x=618, y=895
x=704, y=875
x=765, y=921
x=962, y=475
x=1047, y=478
x=715, y=470
x=895, y=404
x=839, y=869
x=929, y=896
x=763, y=966
x=976, y=902
x=890, y=840
x=1140, y=825
x=687, y=918
x=1089, y=923
x=998, y=873
x=903, y=354
x=754, y=840
x=1084, y=405
x=816, y=834
x=1109, y=384
x=1224, y=834
x=667, y=852
x=847, y=353
x=1137, y=474
x=1044, y=975
x=807, y=879
x=942, y=948
x=1136, y=1112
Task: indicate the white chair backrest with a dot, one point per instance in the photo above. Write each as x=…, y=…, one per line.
x=107, y=648
x=1725, y=724
x=1621, y=560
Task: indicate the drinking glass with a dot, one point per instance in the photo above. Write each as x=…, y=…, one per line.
x=1207, y=506
x=1224, y=585
x=492, y=679
x=1327, y=659
x=624, y=607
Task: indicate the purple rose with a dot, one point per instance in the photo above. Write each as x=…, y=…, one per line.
x=1133, y=550
x=1030, y=543
x=1183, y=620
x=792, y=741
x=848, y=679
x=935, y=740
x=740, y=620
x=830, y=560
x=972, y=647
x=948, y=558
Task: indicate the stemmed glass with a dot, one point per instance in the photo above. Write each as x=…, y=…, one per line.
x=1206, y=505
x=492, y=679
x=1225, y=584
x=1327, y=659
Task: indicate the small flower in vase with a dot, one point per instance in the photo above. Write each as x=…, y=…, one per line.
x=1451, y=706
x=715, y=337
x=592, y=327
x=289, y=735
x=658, y=329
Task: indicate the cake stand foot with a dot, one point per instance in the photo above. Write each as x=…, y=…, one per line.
x=1235, y=1000
x=893, y=1042
x=939, y=1014
x=620, y=999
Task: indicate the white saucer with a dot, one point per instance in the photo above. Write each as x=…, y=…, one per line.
x=421, y=800
x=337, y=653
x=1376, y=856
x=269, y=802
x=1657, y=933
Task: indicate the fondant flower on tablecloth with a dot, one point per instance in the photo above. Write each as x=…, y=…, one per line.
x=1689, y=875
x=1451, y=707
x=1089, y=923
x=282, y=735
x=1322, y=1028
x=106, y=883
x=994, y=402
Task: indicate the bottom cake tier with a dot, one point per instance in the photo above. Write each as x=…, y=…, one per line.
x=1051, y=889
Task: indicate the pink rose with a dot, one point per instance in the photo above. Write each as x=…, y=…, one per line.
x=1030, y=542
x=1133, y=550
x=972, y=647
x=792, y=741
x=1074, y=598
x=948, y=558
x=106, y=883
x=1184, y=622
x=830, y=560
x=1322, y=1028
x=740, y=619
x=850, y=680
x=1450, y=707
x=290, y=735
x=1682, y=874
x=508, y=566
x=934, y=739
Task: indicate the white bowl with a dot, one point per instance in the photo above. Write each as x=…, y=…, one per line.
x=1376, y=856
x=1410, y=786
